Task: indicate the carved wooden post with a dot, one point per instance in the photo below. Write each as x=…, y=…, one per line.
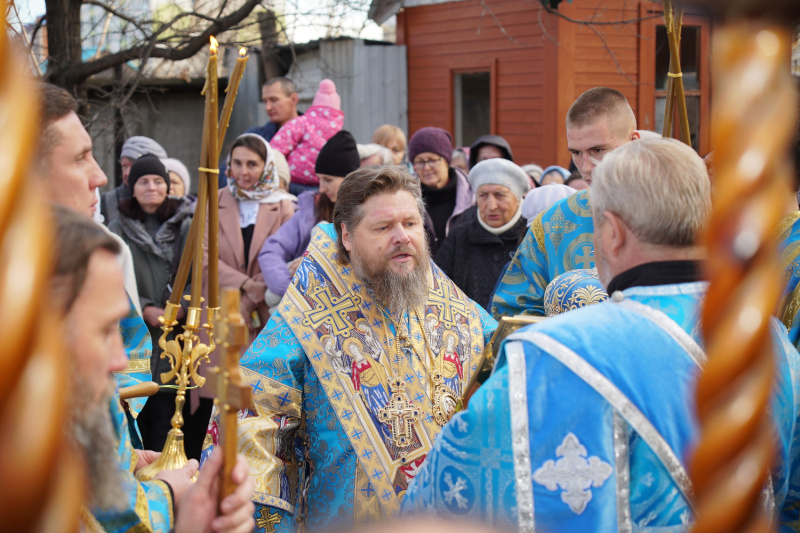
x=754, y=120
x=42, y=485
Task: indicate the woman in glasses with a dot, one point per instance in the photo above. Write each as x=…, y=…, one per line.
x=445, y=188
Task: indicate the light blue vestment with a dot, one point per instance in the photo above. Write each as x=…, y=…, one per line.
x=572, y=433
x=788, y=233
x=149, y=507
x=139, y=349
x=558, y=240
x=314, y=441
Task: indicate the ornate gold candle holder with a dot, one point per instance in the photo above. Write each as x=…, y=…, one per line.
x=185, y=354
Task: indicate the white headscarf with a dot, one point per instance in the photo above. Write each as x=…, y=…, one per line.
x=268, y=188
x=541, y=198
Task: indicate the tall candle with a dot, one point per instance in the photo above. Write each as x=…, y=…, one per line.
x=212, y=187
x=208, y=152
x=230, y=94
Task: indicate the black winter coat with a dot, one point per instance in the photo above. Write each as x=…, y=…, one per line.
x=474, y=258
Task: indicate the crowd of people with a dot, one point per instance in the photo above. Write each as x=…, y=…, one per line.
x=372, y=275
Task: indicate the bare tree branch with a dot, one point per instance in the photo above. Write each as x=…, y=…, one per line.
x=136, y=23
x=184, y=50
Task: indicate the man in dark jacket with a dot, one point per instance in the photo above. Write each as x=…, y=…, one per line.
x=476, y=251
x=489, y=147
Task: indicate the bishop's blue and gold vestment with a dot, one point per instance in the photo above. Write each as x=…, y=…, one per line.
x=342, y=419
x=558, y=240
x=571, y=433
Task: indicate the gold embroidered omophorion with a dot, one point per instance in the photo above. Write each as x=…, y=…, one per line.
x=391, y=390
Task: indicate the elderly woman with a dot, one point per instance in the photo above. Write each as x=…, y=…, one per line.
x=155, y=227
x=475, y=252
x=445, y=189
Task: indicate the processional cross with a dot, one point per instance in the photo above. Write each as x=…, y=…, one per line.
x=230, y=394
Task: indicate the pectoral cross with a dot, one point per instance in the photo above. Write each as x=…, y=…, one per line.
x=400, y=414
x=230, y=394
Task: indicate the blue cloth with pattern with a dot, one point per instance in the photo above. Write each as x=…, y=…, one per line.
x=558, y=240
x=470, y=470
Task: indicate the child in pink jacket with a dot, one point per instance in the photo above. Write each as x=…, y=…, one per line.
x=301, y=139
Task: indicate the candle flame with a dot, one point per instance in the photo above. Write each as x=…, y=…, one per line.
x=214, y=45
x=242, y=52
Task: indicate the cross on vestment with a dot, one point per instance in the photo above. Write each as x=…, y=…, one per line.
x=584, y=260
x=447, y=302
x=329, y=307
x=400, y=414
x=230, y=393
x=574, y=473
x=267, y=519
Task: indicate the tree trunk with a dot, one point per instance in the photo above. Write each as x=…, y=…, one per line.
x=63, y=41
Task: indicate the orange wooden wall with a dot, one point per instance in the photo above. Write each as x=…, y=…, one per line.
x=541, y=65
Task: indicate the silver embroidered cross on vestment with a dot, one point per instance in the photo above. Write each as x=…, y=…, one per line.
x=574, y=473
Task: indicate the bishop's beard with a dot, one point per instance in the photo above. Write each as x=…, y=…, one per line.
x=92, y=432
x=400, y=293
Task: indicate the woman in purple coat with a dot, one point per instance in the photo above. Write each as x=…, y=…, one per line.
x=282, y=252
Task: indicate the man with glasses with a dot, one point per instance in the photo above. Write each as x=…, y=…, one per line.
x=445, y=189
x=560, y=239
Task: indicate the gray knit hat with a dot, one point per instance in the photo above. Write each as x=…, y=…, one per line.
x=499, y=172
x=136, y=147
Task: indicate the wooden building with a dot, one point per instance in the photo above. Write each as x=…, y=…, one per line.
x=511, y=68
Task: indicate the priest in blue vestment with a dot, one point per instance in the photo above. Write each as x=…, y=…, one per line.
x=365, y=360
x=560, y=238
x=588, y=419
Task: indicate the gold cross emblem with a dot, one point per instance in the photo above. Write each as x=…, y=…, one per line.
x=399, y=414
x=329, y=308
x=267, y=519
x=447, y=302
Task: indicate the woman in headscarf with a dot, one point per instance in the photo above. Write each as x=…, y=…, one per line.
x=554, y=174
x=251, y=208
x=475, y=252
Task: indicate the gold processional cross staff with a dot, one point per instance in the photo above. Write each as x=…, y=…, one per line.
x=754, y=122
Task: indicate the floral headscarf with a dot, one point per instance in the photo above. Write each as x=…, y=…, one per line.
x=267, y=189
